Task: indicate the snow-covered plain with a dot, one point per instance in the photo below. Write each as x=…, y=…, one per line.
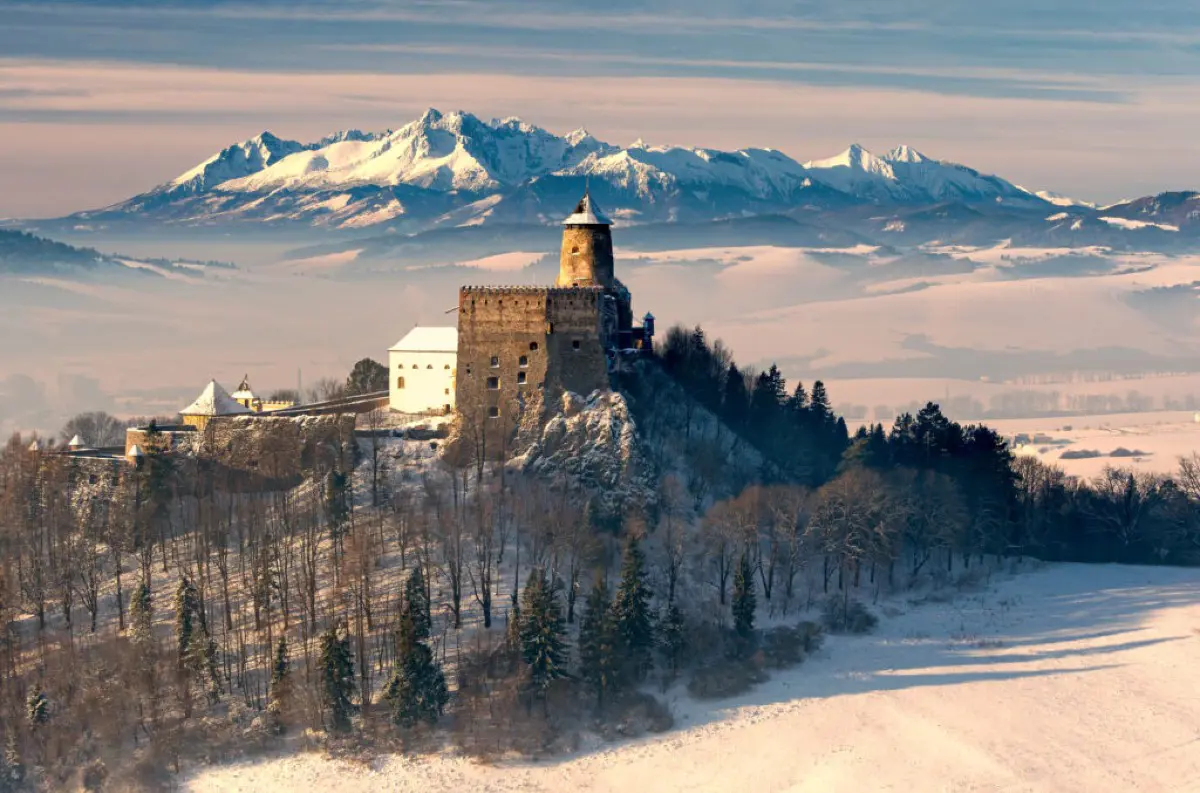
x=1055, y=679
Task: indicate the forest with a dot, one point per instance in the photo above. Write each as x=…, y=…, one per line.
x=165, y=615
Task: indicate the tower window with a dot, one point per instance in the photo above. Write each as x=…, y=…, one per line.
x=415, y=366
x=523, y=360
x=533, y=345
x=520, y=378
x=493, y=383
x=447, y=366
x=493, y=412
x=399, y=382
x=447, y=392
x=575, y=344
x=575, y=249
x=495, y=362
x=429, y=366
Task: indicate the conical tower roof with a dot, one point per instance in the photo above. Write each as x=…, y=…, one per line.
x=75, y=443
x=214, y=401
x=587, y=213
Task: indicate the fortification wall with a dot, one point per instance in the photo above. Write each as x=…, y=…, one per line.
x=277, y=447
x=575, y=349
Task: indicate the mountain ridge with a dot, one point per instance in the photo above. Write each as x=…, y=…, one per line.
x=454, y=168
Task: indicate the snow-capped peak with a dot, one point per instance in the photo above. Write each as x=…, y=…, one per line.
x=903, y=153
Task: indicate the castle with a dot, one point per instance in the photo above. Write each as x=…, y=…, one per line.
x=521, y=345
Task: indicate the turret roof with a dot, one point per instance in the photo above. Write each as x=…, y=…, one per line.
x=587, y=213
x=214, y=401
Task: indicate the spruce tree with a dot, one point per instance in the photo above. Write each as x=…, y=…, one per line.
x=337, y=678
x=280, y=667
x=673, y=638
x=37, y=707
x=631, y=614
x=141, y=616
x=416, y=605
x=281, y=671
x=543, y=633
x=744, y=601
x=186, y=606
x=417, y=689
x=598, y=662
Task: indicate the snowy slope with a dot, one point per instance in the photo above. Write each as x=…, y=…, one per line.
x=1070, y=678
x=905, y=175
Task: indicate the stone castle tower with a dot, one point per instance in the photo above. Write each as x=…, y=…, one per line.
x=521, y=347
x=587, y=251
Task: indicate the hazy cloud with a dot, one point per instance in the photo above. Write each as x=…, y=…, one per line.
x=1094, y=98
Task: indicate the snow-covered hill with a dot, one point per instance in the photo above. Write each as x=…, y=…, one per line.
x=1067, y=678
x=453, y=169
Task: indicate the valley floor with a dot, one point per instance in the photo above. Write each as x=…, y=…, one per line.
x=1058, y=679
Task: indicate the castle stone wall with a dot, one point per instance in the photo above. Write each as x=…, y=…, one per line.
x=519, y=346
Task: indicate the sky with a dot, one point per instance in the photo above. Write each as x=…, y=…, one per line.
x=1098, y=99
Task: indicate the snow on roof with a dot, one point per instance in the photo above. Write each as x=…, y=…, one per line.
x=244, y=390
x=428, y=339
x=587, y=213
x=214, y=401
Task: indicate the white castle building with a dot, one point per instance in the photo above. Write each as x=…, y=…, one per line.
x=421, y=370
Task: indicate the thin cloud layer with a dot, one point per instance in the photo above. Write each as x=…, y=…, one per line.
x=101, y=94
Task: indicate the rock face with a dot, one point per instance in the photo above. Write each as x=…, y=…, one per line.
x=594, y=444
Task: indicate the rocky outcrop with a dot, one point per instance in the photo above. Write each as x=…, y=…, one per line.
x=594, y=444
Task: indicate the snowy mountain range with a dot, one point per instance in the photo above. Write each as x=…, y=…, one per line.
x=455, y=169
x=447, y=171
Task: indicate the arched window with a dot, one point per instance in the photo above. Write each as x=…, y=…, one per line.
x=523, y=360
x=533, y=345
x=415, y=366
x=429, y=366
x=447, y=366
x=399, y=382
x=575, y=249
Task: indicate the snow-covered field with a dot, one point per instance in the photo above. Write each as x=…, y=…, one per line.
x=1058, y=679
x=1156, y=441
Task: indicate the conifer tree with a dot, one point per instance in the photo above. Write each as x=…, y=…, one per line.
x=673, y=638
x=744, y=601
x=141, y=616
x=416, y=605
x=631, y=614
x=542, y=632
x=337, y=678
x=417, y=689
x=281, y=684
x=186, y=606
x=37, y=707
x=280, y=667
x=598, y=662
